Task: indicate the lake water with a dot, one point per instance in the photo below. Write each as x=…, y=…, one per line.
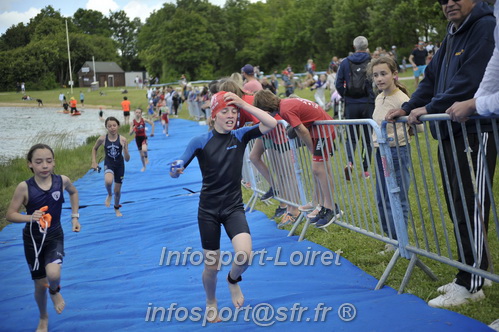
x=22, y=127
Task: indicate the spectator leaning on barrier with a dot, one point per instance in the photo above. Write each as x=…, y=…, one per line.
x=454, y=75
x=486, y=101
x=352, y=84
x=392, y=94
x=301, y=114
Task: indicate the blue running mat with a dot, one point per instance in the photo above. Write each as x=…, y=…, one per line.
x=116, y=275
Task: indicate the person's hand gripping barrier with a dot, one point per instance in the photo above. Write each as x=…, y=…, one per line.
x=176, y=168
x=45, y=220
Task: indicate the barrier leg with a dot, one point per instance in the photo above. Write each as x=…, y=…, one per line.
x=388, y=269
x=295, y=225
x=251, y=203
x=426, y=270
x=408, y=272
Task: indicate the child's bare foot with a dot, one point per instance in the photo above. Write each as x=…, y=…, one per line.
x=118, y=213
x=43, y=324
x=143, y=169
x=108, y=200
x=58, y=302
x=235, y=292
x=212, y=312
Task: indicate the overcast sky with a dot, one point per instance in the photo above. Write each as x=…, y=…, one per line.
x=13, y=12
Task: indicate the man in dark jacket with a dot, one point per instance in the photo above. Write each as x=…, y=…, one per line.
x=357, y=105
x=453, y=75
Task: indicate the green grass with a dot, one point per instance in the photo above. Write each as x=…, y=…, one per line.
x=359, y=249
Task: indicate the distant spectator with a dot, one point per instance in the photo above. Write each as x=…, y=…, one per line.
x=288, y=83
x=82, y=99
x=267, y=85
x=310, y=67
x=252, y=85
x=353, y=85
x=418, y=60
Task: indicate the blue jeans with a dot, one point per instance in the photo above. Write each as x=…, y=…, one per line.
x=400, y=159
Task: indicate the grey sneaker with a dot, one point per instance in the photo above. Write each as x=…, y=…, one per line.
x=268, y=195
x=329, y=217
x=319, y=215
x=279, y=212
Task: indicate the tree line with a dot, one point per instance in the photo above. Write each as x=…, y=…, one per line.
x=205, y=41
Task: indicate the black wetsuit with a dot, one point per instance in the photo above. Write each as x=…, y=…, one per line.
x=114, y=161
x=221, y=160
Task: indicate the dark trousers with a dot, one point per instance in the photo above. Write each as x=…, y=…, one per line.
x=359, y=111
x=469, y=234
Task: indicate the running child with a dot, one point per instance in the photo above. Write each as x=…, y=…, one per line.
x=116, y=153
x=125, y=106
x=220, y=153
x=392, y=95
x=139, y=127
x=42, y=197
x=163, y=113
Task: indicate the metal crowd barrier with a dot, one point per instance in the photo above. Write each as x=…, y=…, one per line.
x=425, y=229
x=432, y=228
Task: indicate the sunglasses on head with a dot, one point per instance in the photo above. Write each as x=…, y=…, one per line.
x=444, y=2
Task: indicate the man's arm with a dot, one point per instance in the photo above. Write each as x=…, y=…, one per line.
x=487, y=96
x=465, y=81
x=411, y=60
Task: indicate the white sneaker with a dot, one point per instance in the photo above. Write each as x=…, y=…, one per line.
x=495, y=325
x=445, y=288
x=456, y=295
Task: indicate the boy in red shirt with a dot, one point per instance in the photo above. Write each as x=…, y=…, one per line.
x=301, y=114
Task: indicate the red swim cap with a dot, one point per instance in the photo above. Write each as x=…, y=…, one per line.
x=218, y=103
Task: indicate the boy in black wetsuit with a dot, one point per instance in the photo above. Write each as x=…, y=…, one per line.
x=220, y=153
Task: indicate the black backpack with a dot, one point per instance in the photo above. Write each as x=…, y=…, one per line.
x=356, y=86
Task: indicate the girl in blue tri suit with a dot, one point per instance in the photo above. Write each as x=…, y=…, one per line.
x=220, y=154
x=44, y=246
x=116, y=152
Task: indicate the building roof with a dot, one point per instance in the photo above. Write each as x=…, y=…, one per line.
x=104, y=67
